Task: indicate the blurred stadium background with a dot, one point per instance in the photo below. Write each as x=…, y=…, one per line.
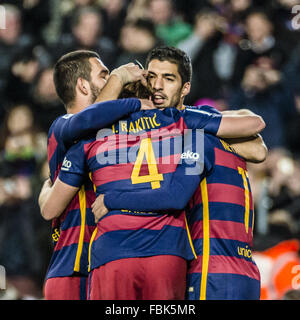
x=245, y=54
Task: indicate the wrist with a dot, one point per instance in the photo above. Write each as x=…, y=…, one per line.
x=121, y=75
x=106, y=202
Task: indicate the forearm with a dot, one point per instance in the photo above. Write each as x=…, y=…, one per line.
x=173, y=197
x=43, y=199
x=118, y=78
x=54, y=200
x=252, y=149
x=111, y=90
x=240, y=112
x=44, y=193
x=240, y=126
x=97, y=116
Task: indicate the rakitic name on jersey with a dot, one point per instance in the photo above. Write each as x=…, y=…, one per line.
x=136, y=126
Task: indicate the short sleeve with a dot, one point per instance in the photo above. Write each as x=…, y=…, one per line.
x=202, y=118
x=73, y=167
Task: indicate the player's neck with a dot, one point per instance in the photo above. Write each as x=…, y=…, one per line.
x=77, y=106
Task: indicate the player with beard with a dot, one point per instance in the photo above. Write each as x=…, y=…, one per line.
x=105, y=260
x=220, y=212
x=80, y=79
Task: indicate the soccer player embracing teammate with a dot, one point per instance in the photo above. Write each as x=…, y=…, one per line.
x=145, y=226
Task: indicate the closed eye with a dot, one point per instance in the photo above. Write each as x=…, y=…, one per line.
x=103, y=74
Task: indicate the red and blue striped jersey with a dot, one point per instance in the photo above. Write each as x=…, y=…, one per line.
x=72, y=230
x=221, y=222
x=130, y=158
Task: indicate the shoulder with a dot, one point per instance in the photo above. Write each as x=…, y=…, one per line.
x=221, y=146
x=202, y=109
x=58, y=122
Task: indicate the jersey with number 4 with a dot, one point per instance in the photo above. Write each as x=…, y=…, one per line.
x=72, y=230
x=138, y=155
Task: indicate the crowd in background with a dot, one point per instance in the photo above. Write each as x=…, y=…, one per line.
x=245, y=54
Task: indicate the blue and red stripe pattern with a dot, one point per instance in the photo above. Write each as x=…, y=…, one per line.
x=73, y=229
x=221, y=223
x=71, y=232
x=129, y=157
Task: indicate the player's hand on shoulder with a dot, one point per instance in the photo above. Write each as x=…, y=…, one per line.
x=99, y=209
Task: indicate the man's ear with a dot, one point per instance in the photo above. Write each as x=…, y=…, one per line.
x=185, y=89
x=83, y=86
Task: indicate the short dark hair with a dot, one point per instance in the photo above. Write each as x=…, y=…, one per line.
x=173, y=55
x=135, y=90
x=68, y=69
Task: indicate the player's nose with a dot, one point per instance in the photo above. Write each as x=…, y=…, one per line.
x=158, y=84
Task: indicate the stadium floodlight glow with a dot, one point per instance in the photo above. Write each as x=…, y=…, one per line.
x=2, y=278
x=2, y=18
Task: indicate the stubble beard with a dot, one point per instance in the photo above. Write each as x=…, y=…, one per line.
x=95, y=92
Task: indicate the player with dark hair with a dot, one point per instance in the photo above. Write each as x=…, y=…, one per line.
x=80, y=77
x=117, y=177
x=221, y=211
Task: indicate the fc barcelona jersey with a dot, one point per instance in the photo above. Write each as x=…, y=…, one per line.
x=71, y=232
x=221, y=221
x=129, y=159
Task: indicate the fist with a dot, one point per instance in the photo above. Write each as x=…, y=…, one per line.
x=99, y=209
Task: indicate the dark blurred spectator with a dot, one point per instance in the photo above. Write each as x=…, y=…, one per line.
x=212, y=57
x=236, y=12
x=35, y=16
x=169, y=27
x=21, y=139
x=114, y=13
x=138, y=9
x=262, y=92
x=284, y=183
x=18, y=250
x=291, y=71
x=70, y=8
x=284, y=28
x=23, y=147
x=46, y=104
x=205, y=27
x=259, y=41
x=23, y=72
x=293, y=141
x=188, y=9
x=276, y=186
x=12, y=42
x=239, y=8
x=136, y=40
x=200, y=45
x=86, y=34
